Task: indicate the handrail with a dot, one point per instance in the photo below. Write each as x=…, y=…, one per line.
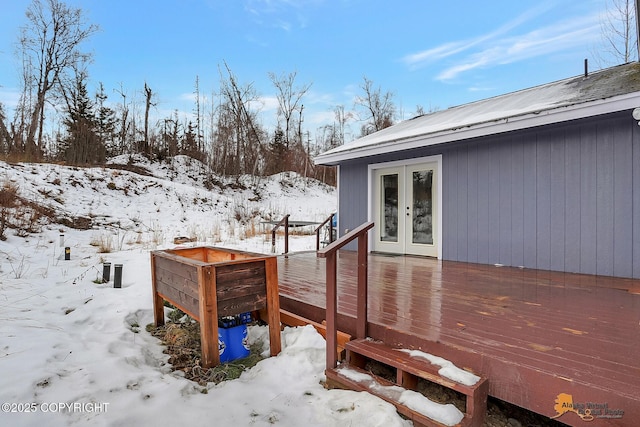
x=285, y=222
x=317, y=230
x=330, y=254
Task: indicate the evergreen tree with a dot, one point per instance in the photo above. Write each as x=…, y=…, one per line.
x=105, y=123
x=190, y=141
x=81, y=145
x=278, y=153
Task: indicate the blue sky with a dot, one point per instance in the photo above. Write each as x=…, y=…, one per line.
x=435, y=54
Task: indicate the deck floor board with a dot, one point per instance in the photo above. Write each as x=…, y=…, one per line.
x=527, y=330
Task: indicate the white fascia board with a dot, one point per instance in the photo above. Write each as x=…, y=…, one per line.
x=530, y=120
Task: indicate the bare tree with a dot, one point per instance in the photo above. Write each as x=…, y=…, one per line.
x=342, y=117
x=619, y=34
x=125, y=122
x=199, y=113
x=238, y=129
x=50, y=46
x=379, y=108
x=5, y=136
x=289, y=101
x=148, y=103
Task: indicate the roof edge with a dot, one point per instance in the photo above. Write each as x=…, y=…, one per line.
x=507, y=124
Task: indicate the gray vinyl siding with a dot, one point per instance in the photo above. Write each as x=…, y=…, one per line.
x=564, y=197
x=353, y=197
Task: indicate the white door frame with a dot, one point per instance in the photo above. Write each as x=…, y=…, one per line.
x=437, y=159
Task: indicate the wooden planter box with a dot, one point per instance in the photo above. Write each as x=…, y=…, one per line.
x=208, y=282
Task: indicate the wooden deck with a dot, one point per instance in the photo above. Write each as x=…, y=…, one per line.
x=534, y=334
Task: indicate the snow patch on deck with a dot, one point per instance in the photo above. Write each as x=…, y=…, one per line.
x=447, y=368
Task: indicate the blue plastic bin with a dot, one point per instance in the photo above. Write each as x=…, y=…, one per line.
x=238, y=342
x=233, y=341
x=225, y=352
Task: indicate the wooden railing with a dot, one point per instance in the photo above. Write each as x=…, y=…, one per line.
x=285, y=223
x=330, y=253
x=317, y=230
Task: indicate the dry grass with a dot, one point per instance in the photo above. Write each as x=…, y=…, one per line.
x=183, y=346
x=104, y=243
x=17, y=213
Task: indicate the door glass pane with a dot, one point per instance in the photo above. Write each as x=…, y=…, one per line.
x=422, y=207
x=389, y=206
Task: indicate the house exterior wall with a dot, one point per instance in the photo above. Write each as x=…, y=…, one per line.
x=563, y=197
x=353, y=196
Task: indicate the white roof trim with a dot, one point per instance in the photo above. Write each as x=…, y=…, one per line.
x=517, y=122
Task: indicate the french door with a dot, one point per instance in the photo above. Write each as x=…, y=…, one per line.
x=405, y=209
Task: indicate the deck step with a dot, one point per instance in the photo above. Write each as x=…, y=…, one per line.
x=352, y=378
x=410, y=367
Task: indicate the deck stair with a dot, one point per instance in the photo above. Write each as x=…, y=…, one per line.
x=352, y=374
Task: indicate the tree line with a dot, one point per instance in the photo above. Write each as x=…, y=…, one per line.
x=57, y=119
x=227, y=134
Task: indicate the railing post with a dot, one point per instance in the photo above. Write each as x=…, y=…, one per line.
x=332, y=311
x=273, y=240
x=361, y=310
x=284, y=221
x=331, y=229
x=286, y=234
x=330, y=254
x=317, y=230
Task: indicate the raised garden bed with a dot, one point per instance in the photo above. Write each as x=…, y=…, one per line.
x=209, y=282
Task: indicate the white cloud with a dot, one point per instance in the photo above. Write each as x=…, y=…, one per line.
x=320, y=118
x=415, y=60
x=281, y=13
x=502, y=46
x=188, y=96
x=558, y=37
x=9, y=97
x=269, y=103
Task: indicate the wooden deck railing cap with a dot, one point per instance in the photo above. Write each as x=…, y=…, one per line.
x=283, y=221
x=352, y=235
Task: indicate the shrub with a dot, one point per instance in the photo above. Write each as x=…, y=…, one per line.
x=8, y=203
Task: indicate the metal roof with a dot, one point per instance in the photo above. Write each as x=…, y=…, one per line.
x=609, y=90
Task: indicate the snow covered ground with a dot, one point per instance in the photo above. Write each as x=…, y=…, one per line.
x=74, y=351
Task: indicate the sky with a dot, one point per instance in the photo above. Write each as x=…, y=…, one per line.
x=429, y=53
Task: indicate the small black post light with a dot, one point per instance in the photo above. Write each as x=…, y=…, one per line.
x=67, y=253
x=106, y=272
x=117, y=276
